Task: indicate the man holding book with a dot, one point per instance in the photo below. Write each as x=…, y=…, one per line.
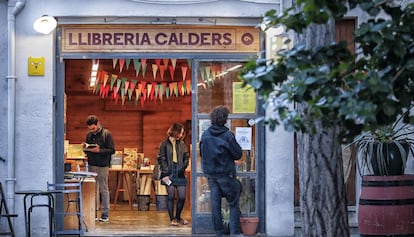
x=99, y=147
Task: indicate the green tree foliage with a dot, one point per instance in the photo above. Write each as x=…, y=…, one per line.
x=353, y=93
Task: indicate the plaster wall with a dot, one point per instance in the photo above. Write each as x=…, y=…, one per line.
x=35, y=115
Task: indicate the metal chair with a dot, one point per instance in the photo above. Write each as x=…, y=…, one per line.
x=72, y=195
x=4, y=212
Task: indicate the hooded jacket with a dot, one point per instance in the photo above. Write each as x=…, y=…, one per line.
x=219, y=149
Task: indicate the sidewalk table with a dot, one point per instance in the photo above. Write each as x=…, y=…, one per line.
x=32, y=194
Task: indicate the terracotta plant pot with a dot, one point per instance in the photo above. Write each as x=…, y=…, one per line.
x=249, y=225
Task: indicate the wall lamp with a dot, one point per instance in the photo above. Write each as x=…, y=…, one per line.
x=45, y=24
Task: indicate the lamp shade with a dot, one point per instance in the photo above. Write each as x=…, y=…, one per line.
x=45, y=24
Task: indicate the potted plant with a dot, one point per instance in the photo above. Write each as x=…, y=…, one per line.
x=383, y=209
x=248, y=220
x=225, y=213
x=384, y=152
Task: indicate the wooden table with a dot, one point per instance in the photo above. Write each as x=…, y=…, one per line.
x=121, y=176
x=88, y=205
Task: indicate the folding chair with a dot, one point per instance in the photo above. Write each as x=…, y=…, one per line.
x=4, y=212
x=72, y=195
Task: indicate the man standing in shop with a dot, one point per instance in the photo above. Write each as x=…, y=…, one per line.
x=219, y=149
x=99, y=147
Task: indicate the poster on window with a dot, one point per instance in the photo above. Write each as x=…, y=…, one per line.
x=244, y=137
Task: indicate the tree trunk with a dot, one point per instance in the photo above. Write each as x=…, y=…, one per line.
x=323, y=202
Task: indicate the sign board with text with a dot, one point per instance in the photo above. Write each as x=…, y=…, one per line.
x=160, y=38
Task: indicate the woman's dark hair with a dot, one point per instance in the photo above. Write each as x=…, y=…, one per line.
x=175, y=130
x=92, y=120
x=219, y=115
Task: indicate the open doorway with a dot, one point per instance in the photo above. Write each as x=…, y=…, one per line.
x=137, y=100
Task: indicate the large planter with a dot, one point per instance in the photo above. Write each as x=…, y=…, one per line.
x=386, y=206
x=249, y=225
x=388, y=158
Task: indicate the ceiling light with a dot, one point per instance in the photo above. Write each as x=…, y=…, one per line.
x=45, y=24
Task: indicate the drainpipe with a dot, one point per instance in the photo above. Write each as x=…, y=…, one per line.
x=14, y=7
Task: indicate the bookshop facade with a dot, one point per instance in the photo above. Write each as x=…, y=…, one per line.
x=139, y=74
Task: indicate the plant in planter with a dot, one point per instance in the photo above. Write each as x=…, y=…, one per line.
x=385, y=151
x=225, y=213
x=248, y=221
x=383, y=208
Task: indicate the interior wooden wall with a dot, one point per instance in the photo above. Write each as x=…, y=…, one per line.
x=132, y=125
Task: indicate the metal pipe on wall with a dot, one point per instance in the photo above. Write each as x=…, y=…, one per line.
x=13, y=8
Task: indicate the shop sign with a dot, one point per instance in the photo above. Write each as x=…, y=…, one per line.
x=154, y=38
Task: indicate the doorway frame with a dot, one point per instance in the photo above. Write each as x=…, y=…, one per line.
x=58, y=99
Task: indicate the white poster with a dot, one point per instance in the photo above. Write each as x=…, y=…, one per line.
x=244, y=137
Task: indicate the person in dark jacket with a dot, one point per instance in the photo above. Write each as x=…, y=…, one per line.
x=99, y=159
x=219, y=149
x=173, y=159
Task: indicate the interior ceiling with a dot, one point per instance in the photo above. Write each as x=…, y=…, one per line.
x=78, y=72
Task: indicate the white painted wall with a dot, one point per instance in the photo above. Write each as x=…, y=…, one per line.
x=35, y=108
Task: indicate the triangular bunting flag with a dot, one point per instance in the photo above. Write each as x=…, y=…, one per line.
x=137, y=94
x=144, y=89
x=121, y=64
x=114, y=61
x=123, y=80
x=162, y=71
x=113, y=79
x=126, y=85
x=149, y=90
x=106, y=76
x=176, y=89
x=171, y=86
x=157, y=87
x=184, y=71
x=118, y=85
x=189, y=63
x=131, y=88
x=173, y=62
x=171, y=72
x=165, y=61
x=154, y=70
x=144, y=66
x=127, y=62
x=123, y=96
x=106, y=90
x=202, y=73
x=167, y=92
x=158, y=62
x=153, y=86
x=208, y=73
x=180, y=88
x=137, y=66
x=188, y=86
x=184, y=85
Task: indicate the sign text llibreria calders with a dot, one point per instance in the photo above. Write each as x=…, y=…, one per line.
x=159, y=38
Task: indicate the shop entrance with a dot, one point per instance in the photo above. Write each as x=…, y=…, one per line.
x=137, y=100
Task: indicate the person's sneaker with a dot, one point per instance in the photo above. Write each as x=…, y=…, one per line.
x=104, y=218
x=174, y=222
x=183, y=221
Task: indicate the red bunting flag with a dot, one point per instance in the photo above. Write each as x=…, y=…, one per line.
x=121, y=64
x=162, y=71
x=172, y=70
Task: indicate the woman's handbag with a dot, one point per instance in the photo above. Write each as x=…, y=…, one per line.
x=156, y=172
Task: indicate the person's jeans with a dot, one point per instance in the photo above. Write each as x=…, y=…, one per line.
x=102, y=182
x=229, y=188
